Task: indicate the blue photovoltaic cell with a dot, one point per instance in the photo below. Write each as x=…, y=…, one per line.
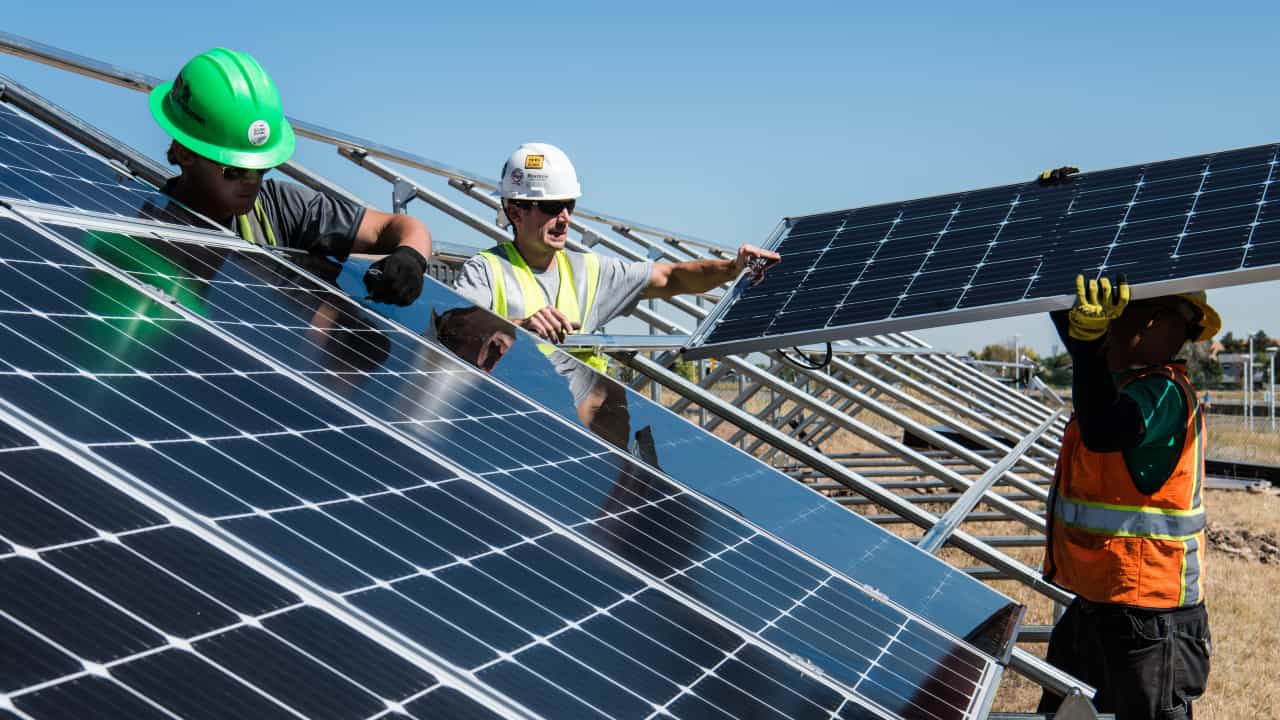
x=844, y=272
x=448, y=565
x=856, y=639
x=107, y=610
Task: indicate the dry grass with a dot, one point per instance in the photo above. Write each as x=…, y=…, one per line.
x=1230, y=439
x=1240, y=592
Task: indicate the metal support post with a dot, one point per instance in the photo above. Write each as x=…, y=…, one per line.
x=1248, y=387
x=938, y=416
x=402, y=191
x=1017, y=512
x=1271, y=384
x=951, y=519
x=834, y=470
x=1010, y=427
x=928, y=434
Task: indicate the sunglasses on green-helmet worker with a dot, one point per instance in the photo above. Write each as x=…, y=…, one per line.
x=235, y=174
x=548, y=207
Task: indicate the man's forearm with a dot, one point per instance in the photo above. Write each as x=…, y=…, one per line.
x=381, y=233
x=403, y=230
x=697, y=276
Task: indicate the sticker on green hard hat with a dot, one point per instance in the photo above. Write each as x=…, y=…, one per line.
x=224, y=106
x=259, y=132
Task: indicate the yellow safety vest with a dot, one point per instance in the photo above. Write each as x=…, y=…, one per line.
x=533, y=299
x=245, y=226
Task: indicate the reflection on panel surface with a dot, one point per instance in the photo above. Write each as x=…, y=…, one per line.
x=342, y=499
x=757, y=492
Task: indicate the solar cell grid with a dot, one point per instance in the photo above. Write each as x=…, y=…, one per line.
x=1199, y=221
x=37, y=165
x=474, y=422
x=367, y=548
x=109, y=610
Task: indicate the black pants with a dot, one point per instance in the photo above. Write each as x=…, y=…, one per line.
x=1146, y=664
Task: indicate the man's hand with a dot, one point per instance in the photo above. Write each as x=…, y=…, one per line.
x=549, y=324
x=756, y=261
x=396, y=278
x=1096, y=306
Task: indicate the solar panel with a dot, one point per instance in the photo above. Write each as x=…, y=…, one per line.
x=347, y=496
x=1191, y=223
x=39, y=166
x=110, y=608
x=808, y=520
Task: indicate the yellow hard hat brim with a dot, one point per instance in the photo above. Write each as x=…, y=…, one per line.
x=1210, y=321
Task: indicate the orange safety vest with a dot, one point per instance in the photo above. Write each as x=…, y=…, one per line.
x=1110, y=543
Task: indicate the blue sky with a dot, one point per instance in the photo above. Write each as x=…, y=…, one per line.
x=718, y=119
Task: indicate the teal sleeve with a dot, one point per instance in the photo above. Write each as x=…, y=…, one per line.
x=1164, y=414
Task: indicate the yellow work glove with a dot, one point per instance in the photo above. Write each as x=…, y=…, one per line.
x=1057, y=176
x=1096, y=306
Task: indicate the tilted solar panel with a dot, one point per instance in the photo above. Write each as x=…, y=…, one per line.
x=39, y=166
x=706, y=464
x=339, y=494
x=112, y=609
x=1191, y=223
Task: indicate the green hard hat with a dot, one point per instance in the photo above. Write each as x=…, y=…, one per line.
x=224, y=107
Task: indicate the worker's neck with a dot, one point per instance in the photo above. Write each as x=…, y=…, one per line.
x=184, y=191
x=538, y=256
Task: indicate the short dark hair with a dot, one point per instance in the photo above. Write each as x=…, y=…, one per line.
x=172, y=154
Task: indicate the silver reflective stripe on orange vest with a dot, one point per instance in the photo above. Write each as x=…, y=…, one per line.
x=1190, y=571
x=1129, y=521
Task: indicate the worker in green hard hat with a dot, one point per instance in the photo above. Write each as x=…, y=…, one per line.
x=228, y=128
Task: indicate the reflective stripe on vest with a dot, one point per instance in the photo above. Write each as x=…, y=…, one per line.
x=1129, y=520
x=532, y=298
x=1108, y=542
x=246, y=226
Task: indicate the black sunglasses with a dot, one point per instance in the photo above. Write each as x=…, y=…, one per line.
x=235, y=174
x=548, y=207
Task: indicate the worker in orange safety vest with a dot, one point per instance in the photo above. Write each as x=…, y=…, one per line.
x=1126, y=517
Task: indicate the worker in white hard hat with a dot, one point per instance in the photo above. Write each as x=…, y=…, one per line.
x=518, y=279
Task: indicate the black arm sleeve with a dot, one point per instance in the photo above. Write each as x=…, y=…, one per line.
x=1110, y=421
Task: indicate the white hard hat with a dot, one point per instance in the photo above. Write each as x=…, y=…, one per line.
x=538, y=171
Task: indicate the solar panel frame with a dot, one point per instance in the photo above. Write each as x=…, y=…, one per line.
x=1181, y=205
x=468, y=369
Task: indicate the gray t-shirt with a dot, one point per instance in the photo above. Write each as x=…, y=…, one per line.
x=621, y=284
x=308, y=220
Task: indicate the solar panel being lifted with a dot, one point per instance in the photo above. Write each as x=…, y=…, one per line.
x=1191, y=223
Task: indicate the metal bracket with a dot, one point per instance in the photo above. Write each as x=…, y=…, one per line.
x=402, y=191
x=120, y=165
